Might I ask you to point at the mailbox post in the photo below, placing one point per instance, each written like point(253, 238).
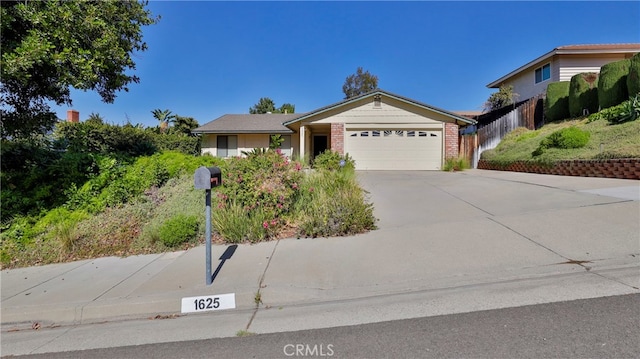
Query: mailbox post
point(206, 178)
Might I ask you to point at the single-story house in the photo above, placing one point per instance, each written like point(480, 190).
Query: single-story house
point(379, 130)
point(560, 64)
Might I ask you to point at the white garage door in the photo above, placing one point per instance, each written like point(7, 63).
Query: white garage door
point(395, 149)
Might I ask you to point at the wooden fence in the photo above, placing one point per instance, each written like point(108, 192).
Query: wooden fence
point(490, 131)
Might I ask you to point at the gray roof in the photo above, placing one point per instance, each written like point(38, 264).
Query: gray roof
point(375, 92)
point(246, 123)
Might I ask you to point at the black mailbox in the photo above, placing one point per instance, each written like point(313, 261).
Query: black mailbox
point(208, 177)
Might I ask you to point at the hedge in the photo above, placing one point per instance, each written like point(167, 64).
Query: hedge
point(612, 84)
point(556, 104)
point(583, 93)
point(633, 78)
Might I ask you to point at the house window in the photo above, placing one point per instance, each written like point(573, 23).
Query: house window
point(543, 73)
point(227, 146)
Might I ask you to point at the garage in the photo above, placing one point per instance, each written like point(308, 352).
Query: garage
point(395, 149)
point(381, 131)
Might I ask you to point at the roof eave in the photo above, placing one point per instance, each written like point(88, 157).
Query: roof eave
point(390, 95)
point(558, 51)
point(500, 81)
point(244, 131)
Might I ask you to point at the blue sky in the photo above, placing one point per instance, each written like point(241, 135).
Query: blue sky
point(209, 58)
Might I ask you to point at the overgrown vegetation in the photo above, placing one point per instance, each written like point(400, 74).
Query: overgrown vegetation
point(456, 164)
point(331, 203)
point(69, 200)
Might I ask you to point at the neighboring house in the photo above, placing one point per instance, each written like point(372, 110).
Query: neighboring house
point(560, 64)
point(230, 135)
point(379, 130)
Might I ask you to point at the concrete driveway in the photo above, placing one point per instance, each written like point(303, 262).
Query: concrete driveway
point(446, 243)
point(443, 230)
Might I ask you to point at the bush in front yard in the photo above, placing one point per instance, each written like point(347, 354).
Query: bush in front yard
point(333, 161)
point(612, 84)
point(633, 78)
point(178, 230)
point(256, 195)
point(583, 93)
point(331, 203)
point(569, 137)
point(556, 103)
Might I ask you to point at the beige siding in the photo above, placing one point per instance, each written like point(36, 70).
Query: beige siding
point(246, 142)
point(562, 69)
point(390, 112)
point(571, 66)
point(390, 136)
point(209, 144)
point(525, 85)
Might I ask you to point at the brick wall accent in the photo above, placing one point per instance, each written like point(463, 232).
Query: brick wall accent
point(337, 137)
point(450, 140)
point(612, 168)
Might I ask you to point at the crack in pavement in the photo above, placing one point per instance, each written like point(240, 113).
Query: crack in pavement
point(264, 273)
point(571, 261)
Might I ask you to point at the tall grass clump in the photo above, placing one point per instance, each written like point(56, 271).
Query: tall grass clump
point(455, 164)
point(331, 203)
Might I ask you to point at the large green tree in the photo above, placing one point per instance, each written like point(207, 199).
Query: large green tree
point(184, 125)
point(504, 97)
point(359, 83)
point(50, 46)
point(266, 105)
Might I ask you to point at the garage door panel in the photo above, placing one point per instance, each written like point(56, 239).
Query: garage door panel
point(395, 149)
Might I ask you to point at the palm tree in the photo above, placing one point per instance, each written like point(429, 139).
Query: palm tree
point(164, 117)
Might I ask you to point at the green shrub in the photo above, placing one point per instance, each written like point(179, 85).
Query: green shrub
point(268, 180)
point(256, 195)
point(583, 93)
point(332, 161)
point(105, 139)
point(178, 142)
point(331, 203)
point(556, 103)
point(455, 164)
point(569, 137)
point(178, 230)
point(612, 83)
point(633, 78)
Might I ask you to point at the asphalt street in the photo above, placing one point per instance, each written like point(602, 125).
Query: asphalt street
point(605, 327)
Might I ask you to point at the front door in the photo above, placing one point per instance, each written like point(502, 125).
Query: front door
point(320, 144)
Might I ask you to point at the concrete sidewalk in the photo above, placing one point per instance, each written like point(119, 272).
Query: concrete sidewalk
point(447, 243)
